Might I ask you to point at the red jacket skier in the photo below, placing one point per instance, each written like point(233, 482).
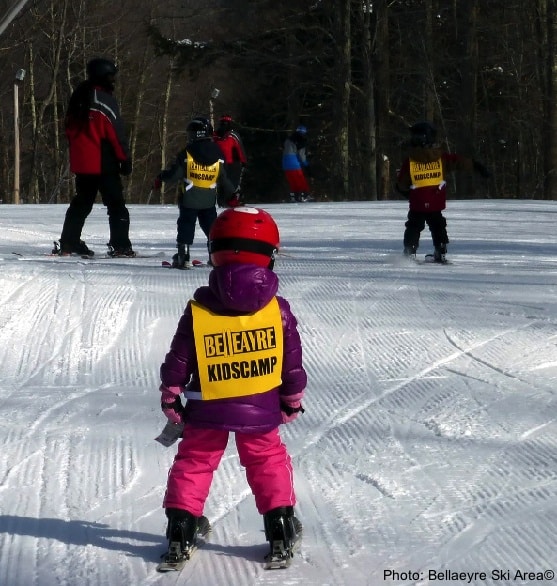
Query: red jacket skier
point(233, 154)
point(98, 156)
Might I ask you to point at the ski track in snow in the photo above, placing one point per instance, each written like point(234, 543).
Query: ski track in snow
point(429, 440)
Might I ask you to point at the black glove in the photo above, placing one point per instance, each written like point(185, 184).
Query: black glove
point(126, 167)
point(481, 170)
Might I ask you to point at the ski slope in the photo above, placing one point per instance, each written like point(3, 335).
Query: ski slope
point(428, 450)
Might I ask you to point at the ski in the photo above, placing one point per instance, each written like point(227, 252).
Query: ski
point(168, 265)
point(280, 557)
point(175, 559)
point(75, 256)
point(194, 263)
point(427, 259)
point(430, 258)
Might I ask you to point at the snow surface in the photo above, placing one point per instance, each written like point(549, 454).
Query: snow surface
point(429, 442)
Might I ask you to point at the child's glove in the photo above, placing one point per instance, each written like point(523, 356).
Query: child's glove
point(171, 404)
point(290, 409)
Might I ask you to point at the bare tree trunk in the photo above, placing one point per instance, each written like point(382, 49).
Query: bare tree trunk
point(370, 148)
point(382, 92)
point(58, 20)
point(33, 107)
point(430, 101)
point(550, 163)
point(345, 78)
point(465, 100)
point(137, 117)
point(164, 121)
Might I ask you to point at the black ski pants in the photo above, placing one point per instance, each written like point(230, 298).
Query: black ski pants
point(87, 187)
point(187, 219)
point(416, 222)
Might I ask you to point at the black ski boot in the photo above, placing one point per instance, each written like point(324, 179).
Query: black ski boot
point(120, 252)
point(439, 254)
point(283, 531)
point(181, 532)
point(410, 251)
point(67, 249)
point(181, 260)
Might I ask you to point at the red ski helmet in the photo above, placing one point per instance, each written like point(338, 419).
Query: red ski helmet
point(244, 235)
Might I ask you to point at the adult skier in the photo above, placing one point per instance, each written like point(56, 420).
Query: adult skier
point(98, 156)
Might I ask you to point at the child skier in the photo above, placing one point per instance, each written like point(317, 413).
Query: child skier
point(237, 358)
point(421, 179)
point(200, 169)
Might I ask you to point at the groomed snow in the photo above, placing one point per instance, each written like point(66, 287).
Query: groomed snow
point(428, 450)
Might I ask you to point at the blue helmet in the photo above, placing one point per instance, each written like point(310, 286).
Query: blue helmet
point(301, 129)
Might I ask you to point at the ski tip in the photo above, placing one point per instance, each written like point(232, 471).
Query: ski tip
point(169, 265)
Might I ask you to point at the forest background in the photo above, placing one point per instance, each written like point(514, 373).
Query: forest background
point(356, 73)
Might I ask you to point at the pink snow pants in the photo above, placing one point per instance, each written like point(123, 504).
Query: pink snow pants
point(264, 456)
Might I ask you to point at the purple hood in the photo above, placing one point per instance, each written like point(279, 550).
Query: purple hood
point(236, 289)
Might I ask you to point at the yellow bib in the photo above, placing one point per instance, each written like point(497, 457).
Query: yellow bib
point(426, 174)
point(198, 175)
point(239, 355)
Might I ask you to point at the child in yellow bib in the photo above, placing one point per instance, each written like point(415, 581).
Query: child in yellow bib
point(199, 171)
point(237, 359)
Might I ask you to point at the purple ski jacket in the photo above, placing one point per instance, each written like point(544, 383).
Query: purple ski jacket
point(235, 289)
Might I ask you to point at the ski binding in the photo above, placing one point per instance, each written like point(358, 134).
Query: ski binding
point(175, 559)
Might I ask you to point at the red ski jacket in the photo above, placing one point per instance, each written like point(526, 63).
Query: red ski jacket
point(100, 146)
point(423, 175)
point(231, 147)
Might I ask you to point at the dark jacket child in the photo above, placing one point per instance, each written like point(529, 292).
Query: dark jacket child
point(98, 156)
point(237, 359)
point(422, 179)
point(200, 170)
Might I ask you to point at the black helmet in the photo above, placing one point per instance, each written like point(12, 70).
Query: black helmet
point(199, 128)
point(99, 69)
point(423, 134)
